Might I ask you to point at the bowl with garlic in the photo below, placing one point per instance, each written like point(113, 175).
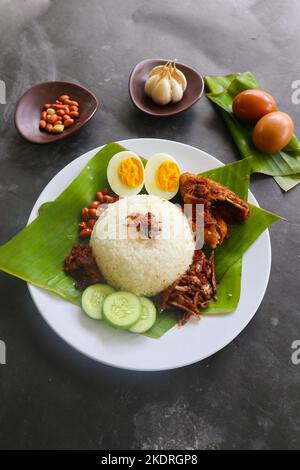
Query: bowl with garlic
point(164, 88)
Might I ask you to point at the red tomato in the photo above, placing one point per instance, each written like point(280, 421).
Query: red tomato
point(273, 132)
point(251, 105)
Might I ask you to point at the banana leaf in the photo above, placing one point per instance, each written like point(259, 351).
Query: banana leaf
point(164, 323)
point(287, 182)
point(285, 163)
point(228, 290)
point(36, 254)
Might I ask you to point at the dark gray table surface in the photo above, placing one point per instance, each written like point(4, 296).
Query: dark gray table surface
point(246, 396)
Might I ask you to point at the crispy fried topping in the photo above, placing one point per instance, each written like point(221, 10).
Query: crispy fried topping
point(193, 291)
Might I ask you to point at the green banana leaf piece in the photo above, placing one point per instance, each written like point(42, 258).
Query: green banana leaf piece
point(241, 238)
point(284, 163)
point(37, 253)
point(164, 323)
point(287, 182)
point(229, 291)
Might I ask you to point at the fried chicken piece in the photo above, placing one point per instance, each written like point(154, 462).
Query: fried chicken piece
point(200, 190)
point(221, 206)
point(215, 229)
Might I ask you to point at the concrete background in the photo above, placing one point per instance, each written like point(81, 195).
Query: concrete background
point(244, 397)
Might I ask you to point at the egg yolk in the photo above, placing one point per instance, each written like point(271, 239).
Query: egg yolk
point(167, 176)
point(131, 172)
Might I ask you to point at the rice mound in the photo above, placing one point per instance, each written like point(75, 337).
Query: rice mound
point(134, 262)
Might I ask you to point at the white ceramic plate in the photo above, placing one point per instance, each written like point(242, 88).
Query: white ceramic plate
point(181, 345)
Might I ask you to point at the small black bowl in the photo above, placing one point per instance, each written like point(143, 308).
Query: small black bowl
point(138, 77)
point(29, 106)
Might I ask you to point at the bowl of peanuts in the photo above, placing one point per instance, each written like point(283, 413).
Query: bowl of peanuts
point(52, 111)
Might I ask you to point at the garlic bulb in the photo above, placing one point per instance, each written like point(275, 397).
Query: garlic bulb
point(165, 84)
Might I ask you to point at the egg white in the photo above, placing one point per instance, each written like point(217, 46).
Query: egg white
point(152, 166)
point(113, 174)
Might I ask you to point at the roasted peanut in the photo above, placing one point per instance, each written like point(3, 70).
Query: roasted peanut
point(46, 106)
point(94, 205)
point(85, 233)
point(60, 112)
point(53, 118)
point(94, 213)
point(91, 223)
point(71, 103)
point(68, 122)
point(43, 124)
point(85, 213)
point(60, 106)
point(73, 108)
point(82, 225)
point(64, 98)
point(58, 128)
point(44, 115)
point(74, 114)
point(49, 127)
point(50, 111)
point(66, 116)
point(108, 198)
point(99, 196)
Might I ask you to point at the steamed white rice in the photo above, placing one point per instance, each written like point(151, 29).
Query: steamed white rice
point(132, 262)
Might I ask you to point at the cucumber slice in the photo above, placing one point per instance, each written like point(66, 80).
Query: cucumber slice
point(122, 309)
point(92, 299)
point(147, 318)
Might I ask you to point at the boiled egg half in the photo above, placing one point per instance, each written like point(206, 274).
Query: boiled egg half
point(125, 173)
point(162, 174)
